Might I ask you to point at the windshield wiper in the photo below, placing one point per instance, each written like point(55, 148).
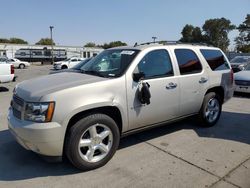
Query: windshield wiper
point(93, 72)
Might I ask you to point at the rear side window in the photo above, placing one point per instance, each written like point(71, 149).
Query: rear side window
point(188, 61)
point(215, 59)
point(156, 64)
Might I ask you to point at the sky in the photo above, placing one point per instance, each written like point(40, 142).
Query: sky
point(77, 22)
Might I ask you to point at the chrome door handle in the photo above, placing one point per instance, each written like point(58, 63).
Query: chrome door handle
point(171, 85)
point(203, 80)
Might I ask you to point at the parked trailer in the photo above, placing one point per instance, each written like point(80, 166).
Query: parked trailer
point(40, 55)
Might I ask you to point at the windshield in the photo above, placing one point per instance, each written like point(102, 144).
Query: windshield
point(79, 65)
point(240, 60)
point(110, 63)
point(2, 59)
point(248, 67)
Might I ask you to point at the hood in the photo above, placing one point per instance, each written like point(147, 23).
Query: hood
point(242, 75)
point(32, 90)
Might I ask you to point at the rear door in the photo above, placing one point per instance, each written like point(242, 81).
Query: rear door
point(193, 79)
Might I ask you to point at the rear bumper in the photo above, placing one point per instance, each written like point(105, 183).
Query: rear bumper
point(7, 78)
point(42, 138)
point(229, 92)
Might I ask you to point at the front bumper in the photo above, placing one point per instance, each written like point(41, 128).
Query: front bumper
point(242, 89)
point(42, 138)
point(57, 66)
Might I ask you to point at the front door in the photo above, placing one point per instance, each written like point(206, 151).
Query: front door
point(164, 88)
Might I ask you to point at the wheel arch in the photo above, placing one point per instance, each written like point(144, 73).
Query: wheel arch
point(64, 66)
point(21, 65)
point(111, 111)
point(218, 90)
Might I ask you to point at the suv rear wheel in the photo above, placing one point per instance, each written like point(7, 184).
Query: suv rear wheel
point(92, 141)
point(211, 109)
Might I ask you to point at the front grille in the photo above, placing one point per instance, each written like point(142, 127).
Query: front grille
point(18, 100)
point(17, 113)
point(17, 105)
point(242, 82)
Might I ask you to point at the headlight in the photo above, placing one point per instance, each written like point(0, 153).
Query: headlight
point(39, 112)
point(242, 67)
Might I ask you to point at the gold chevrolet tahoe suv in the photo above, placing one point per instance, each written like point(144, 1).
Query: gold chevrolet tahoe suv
point(82, 115)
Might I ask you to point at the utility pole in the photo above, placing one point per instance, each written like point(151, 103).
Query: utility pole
point(51, 38)
point(154, 38)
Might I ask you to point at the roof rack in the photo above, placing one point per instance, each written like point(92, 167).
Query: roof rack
point(165, 42)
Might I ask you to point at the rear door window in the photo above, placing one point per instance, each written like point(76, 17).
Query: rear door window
point(188, 61)
point(215, 59)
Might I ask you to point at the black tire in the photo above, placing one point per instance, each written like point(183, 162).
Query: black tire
point(204, 120)
point(21, 66)
point(75, 134)
point(64, 67)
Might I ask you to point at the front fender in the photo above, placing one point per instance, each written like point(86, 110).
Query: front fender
point(95, 106)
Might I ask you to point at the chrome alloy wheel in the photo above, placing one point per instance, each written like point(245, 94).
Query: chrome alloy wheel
point(212, 109)
point(95, 143)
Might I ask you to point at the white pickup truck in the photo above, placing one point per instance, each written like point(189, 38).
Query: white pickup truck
point(6, 73)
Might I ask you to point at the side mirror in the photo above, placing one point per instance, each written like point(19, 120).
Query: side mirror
point(138, 76)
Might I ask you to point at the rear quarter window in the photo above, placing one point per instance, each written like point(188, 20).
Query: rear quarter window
point(215, 59)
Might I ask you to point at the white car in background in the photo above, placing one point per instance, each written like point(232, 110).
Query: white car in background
point(242, 80)
point(6, 73)
point(19, 64)
point(68, 63)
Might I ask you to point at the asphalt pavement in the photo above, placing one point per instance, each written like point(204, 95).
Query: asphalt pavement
point(177, 155)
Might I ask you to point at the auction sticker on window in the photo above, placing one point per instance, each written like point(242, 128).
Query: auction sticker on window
point(127, 52)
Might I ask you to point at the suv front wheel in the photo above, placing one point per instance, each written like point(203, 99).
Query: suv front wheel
point(211, 109)
point(92, 141)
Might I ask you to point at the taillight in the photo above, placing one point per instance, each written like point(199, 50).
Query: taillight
point(12, 71)
point(232, 76)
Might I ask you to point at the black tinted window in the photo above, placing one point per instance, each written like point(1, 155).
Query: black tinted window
point(215, 59)
point(188, 61)
point(156, 64)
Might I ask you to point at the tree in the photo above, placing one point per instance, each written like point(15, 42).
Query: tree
point(243, 40)
point(17, 41)
point(197, 35)
point(187, 33)
point(2, 40)
point(112, 44)
point(216, 32)
point(13, 41)
point(90, 44)
point(45, 41)
point(191, 34)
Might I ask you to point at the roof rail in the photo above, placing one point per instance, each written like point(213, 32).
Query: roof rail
point(165, 42)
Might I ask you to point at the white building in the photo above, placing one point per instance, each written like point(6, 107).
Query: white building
point(9, 50)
